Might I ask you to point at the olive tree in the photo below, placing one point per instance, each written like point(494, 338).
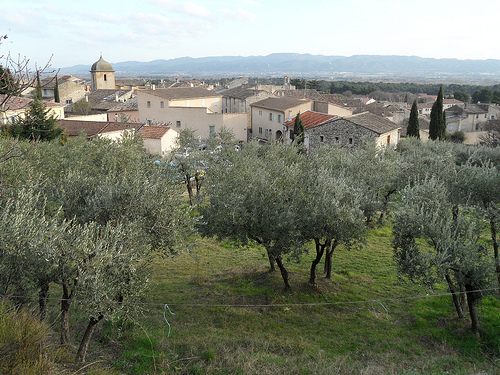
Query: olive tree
point(434, 243)
point(251, 196)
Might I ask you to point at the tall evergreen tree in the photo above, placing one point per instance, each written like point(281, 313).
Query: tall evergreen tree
point(413, 124)
point(57, 98)
point(298, 130)
point(8, 84)
point(38, 124)
point(38, 90)
point(437, 126)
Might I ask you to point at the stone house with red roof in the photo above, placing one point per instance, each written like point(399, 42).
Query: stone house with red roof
point(349, 132)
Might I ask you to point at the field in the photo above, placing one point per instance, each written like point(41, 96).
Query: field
point(232, 316)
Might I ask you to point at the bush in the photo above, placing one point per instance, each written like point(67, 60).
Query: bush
point(23, 343)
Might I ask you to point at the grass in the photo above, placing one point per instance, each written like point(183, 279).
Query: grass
point(232, 316)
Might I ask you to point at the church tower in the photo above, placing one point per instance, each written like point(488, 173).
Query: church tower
point(103, 75)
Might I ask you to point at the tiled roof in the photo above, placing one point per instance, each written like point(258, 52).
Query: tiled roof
point(302, 94)
point(93, 128)
point(311, 118)
point(241, 92)
point(16, 103)
point(373, 122)
point(105, 99)
point(129, 105)
point(153, 131)
point(280, 104)
point(183, 93)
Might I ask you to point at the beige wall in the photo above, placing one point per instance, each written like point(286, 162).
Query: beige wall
point(392, 137)
point(132, 116)
point(199, 119)
point(163, 146)
point(103, 80)
point(270, 126)
point(97, 117)
point(213, 104)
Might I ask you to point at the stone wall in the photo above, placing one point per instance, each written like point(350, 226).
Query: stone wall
point(337, 132)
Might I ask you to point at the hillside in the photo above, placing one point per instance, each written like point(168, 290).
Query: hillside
point(304, 64)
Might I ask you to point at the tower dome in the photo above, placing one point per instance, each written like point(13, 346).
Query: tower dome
point(101, 65)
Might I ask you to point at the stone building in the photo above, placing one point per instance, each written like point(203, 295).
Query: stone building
point(102, 75)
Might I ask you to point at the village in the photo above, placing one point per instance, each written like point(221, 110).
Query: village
point(107, 106)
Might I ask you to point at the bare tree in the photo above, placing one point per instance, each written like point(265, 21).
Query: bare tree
point(16, 76)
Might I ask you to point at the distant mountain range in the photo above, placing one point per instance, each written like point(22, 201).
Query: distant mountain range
point(303, 65)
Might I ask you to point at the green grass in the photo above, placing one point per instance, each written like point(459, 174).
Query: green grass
point(232, 316)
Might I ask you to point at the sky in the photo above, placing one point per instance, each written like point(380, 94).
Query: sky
point(71, 32)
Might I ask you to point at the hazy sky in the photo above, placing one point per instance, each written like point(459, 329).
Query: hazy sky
point(76, 32)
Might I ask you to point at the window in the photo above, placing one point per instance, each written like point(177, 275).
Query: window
point(148, 104)
point(463, 127)
point(69, 101)
point(162, 104)
point(267, 132)
point(451, 128)
point(336, 139)
point(321, 138)
point(260, 130)
point(388, 139)
point(105, 78)
point(45, 92)
point(271, 117)
point(178, 124)
point(350, 141)
point(260, 113)
point(279, 119)
point(216, 101)
point(149, 122)
point(212, 131)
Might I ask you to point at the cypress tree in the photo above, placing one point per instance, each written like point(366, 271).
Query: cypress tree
point(298, 131)
point(38, 90)
point(413, 124)
point(437, 125)
point(57, 99)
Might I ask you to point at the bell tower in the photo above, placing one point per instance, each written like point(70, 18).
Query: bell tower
point(103, 75)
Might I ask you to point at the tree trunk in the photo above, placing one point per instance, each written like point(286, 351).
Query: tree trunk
point(320, 249)
point(42, 299)
point(495, 247)
point(328, 260)
point(84, 345)
point(455, 297)
point(65, 305)
point(471, 301)
point(187, 178)
point(283, 270)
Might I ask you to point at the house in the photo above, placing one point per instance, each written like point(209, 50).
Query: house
point(269, 116)
point(470, 118)
point(71, 89)
point(159, 140)
point(425, 108)
point(92, 129)
point(195, 108)
point(15, 106)
point(348, 132)
point(322, 102)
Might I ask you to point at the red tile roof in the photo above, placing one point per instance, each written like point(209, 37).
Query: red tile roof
point(311, 118)
point(153, 131)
